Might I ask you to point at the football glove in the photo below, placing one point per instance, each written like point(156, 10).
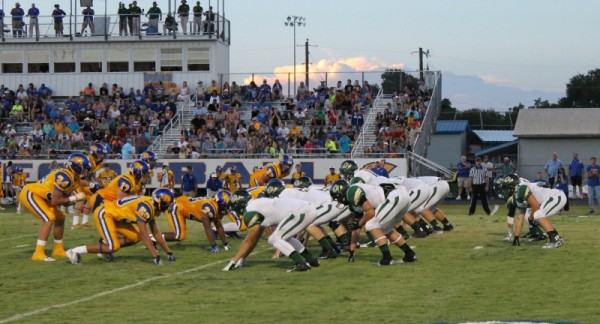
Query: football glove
point(230, 266)
point(516, 241)
point(532, 221)
point(95, 187)
point(352, 225)
point(214, 249)
point(157, 260)
point(351, 256)
point(226, 246)
point(171, 257)
point(80, 196)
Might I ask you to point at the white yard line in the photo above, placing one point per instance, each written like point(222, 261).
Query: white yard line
point(17, 237)
point(21, 316)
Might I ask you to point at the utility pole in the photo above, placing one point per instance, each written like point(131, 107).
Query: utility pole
point(306, 58)
point(421, 53)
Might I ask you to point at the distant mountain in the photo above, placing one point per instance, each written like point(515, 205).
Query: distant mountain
point(473, 92)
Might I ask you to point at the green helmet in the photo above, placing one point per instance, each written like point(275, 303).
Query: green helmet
point(347, 169)
point(239, 200)
point(302, 182)
point(338, 191)
point(499, 184)
point(274, 188)
point(508, 184)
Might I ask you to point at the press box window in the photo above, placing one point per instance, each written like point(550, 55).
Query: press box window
point(38, 62)
point(12, 61)
point(118, 60)
point(198, 59)
point(144, 60)
point(64, 61)
point(171, 59)
point(91, 61)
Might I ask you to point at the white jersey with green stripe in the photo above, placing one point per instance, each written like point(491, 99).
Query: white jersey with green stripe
point(524, 190)
point(314, 196)
point(274, 210)
point(374, 194)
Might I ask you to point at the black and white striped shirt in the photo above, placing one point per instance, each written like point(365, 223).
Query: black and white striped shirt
point(478, 174)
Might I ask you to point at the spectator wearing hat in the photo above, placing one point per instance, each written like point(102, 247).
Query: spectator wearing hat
point(197, 11)
point(17, 14)
point(154, 14)
point(480, 185)
point(88, 20)
point(332, 176)
point(189, 184)
point(213, 185)
point(183, 11)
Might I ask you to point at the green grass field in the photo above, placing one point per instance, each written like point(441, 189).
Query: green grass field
point(451, 282)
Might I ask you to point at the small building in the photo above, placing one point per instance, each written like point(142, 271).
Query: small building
point(563, 130)
point(496, 144)
point(449, 142)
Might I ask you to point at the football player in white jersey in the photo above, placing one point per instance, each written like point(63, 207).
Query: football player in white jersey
point(289, 215)
point(432, 213)
point(505, 186)
point(543, 202)
point(327, 211)
point(378, 209)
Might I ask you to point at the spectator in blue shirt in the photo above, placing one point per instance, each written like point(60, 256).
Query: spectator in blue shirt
point(345, 143)
point(189, 183)
point(213, 185)
point(357, 119)
point(463, 179)
point(576, 168)
point(73, 125)
point(379, 169)
point(593, 183)
point(33, 14)
point(552, 167)
point(127, 150)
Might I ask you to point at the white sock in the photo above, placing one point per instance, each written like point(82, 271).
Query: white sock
point(85, 219)
point(70, 209)
point(40, 242)
point(57, 241)
point(75, 220)
point(80, 249)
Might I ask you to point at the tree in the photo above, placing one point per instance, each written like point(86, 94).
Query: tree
point(396, 80)
point(583, 91)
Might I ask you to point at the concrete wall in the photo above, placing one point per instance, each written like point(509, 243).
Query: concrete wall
point(534, 152)
point(447, 149)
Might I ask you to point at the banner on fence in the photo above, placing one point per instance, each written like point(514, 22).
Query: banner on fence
point(316, 169)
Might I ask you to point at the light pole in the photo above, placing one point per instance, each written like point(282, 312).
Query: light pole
point(293, 21)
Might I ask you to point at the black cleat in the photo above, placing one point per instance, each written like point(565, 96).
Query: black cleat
point(314, 263)
point(448, 228)
point(420, 234)
point(410, 258)
point(299, 267)
point(331, 254)
point(384, 262)
point(232, 234)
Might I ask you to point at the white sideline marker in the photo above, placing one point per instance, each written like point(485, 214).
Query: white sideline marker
point(21, 316)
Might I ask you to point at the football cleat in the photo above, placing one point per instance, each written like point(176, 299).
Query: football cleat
point(368, 244)
point(299, 267)
point(314, 263)
point(508, 237)
point(108, 257)
point(448, 228)
point(552, 245)
point(410, 258)
point(86, 225)
point(383, 262)
point(437, 230)
point(331, 254)
point(41, 257)
point(537, 238)
point(73, 257)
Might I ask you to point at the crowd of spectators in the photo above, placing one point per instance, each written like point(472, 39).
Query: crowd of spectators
point(319, 121)
point(107, 115)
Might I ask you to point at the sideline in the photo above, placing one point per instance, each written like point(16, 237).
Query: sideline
point(21, 316)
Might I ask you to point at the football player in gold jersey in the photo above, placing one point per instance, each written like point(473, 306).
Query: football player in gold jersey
point(123, 185)
point(278, 170)
point(44, 197)
point(203, 210)
point(123, 223)
point(19, 181)
point(106, 175)
point(88, 186)
point(233, 181)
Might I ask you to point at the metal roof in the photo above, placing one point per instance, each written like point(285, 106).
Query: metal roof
point(451, 126)
point(496, 148)
point(561, 122)
point(495, 135)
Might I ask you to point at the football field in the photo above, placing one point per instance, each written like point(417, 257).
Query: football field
point(468, 275)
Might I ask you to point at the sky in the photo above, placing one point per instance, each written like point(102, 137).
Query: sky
point(531, 46)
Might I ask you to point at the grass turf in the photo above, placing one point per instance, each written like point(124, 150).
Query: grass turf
point(452, 281)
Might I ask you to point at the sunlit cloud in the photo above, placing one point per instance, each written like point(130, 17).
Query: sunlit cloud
point(496, 80)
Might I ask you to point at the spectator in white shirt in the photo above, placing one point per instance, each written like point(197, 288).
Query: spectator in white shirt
point(184, 93)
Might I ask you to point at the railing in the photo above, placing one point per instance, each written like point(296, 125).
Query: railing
point(298, 153)
point(104, 26)
point(438, 169)
point(419, 147)
point(358, 148)
point(174, 123)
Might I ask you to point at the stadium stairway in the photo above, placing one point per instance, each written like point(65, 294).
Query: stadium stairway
point(172, 131)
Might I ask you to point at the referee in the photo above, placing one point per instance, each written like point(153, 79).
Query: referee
point(480, 185)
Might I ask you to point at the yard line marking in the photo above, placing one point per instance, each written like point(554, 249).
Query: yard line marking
point(21, 316)
point(17, 237)
point(21, 246)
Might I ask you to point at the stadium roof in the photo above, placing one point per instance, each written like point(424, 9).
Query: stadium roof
point(561, 122)
point(496, 148)
point(488, 136)
point(451, 126)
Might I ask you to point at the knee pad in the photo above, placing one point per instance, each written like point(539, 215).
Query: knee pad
point(333, 225)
